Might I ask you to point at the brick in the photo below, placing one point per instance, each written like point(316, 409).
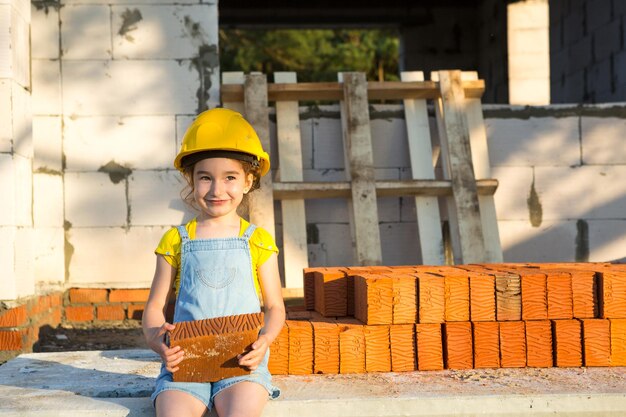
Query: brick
point(41, 304)
point(135, 311)
point(403, 347)
point(539, 344)
point(584, 294)
point(326, 347)
point(13, 317)
point(431, 304)
point(110, 313)
point(482, 297)
point(508, 296)
point(308, 282)
point(512, 344)
point(457, 346)
point(351, 348)
point(211, 346)
point(486, 344)
point(373, 303)
point(612, 294)
point(11, 340)
point(456, 297)
point(618, 342)
point(279, 353)
point(534, 296)
point(404, 298)
point(79, 313)
point(560, 301)
point(330, 293)
point(126, 296)
point(429, 346)
point(87, 295)
point(308, 315)
point(567, 343)
point(377, 349)
point(300, 347)
point(596, 342)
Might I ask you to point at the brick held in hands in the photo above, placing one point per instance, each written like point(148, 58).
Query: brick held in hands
point(300, 347)
point(331, 293)
point(211, 346)
point(560, 302)
point(373, 299)
point(325, 347)
point(486, 344)
point(403, 348)
point(539, 344)
point(482, 297)
point(431, 304)
point(404, 299)
point(534, 295)
point(618, 342)
point(567, 343)
point(512, 344)
point(351, 348)
point(429, 346)
point(596, 342)
point(457, 345)
point(377, 349)
point(279, 353)
point(613, 295)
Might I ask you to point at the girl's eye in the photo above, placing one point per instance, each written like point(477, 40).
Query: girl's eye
point(204, 178)
point(231, 178)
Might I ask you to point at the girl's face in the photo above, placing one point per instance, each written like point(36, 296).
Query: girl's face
point(219, 186)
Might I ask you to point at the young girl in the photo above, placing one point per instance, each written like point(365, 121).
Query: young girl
point(219, 265)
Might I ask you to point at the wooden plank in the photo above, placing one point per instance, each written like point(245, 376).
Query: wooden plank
point(387, 90)
point(358, 150)
point(234, 79)
point(295, 253)
point(461, 170)
point(334, 189)
point(482, 169)
point(420, 152)
point(256, 112)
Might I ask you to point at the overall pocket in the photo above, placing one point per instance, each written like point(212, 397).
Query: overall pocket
point(219, 277)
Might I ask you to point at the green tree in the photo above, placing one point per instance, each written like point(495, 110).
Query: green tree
point(315, 54)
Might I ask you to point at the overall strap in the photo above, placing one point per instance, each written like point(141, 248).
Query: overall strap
point(183, 233)
point(249, 230)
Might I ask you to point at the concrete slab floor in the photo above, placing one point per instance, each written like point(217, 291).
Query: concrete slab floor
point(118, 383)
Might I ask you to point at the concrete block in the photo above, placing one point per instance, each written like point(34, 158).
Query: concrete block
point(6, 117)
point(529, 91)
point(182, 123)
point(333, 210)
point(513, 192)
point(143, 87)
point(527, 15)
point(133, 142)
point(573, 27)
point(93, 199)
point(553, 241)
point(580, 55)
point(47, 144)
point(389, 138)
point(22, 121)
point(48, 201)
point(8, 283)
point(24, 255)
point(328, 143)
point(607, 240)
point(23, 177)
point(534, 141)
point(165, 32)
point(603, 140)
point(529, 41)
point(49, 258)
point(529, 66)
point(6, 64)
point(337, 244)
point(598, 15)
point(599, 79)
point(46, 96)
point(587, 192)
point(388, 209)
point(574, 86)
point(155, 198)
point(81, 22)
point(400, 244)
point(92, 250)
point(306, 140)
point(16, 58)
point(7, 188)
point(607, 39)
point(44, 32)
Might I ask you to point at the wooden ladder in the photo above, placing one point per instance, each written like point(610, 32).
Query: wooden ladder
point(466, 184)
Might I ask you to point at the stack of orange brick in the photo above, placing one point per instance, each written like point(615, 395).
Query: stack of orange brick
point(381, 319)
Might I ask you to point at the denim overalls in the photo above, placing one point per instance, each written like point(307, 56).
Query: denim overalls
point(215, 280)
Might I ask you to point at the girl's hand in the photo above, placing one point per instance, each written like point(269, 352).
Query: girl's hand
point(252, 359)
point(171, 357)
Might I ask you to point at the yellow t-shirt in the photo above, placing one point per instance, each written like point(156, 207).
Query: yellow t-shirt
point(262, 246)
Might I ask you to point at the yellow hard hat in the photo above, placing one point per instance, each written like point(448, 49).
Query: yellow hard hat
point(221, 130)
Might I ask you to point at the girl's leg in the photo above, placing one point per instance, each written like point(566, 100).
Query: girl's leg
point(172, 403)
point(244, 399)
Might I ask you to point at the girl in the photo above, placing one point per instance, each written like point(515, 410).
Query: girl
point(219, 265)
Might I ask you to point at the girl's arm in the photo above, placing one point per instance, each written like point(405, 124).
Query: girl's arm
point(274, 313)
point(153, 322)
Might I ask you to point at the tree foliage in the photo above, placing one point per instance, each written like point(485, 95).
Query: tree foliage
point(315, 54)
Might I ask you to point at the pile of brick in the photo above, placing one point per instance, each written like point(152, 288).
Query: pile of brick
point(380, 319)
